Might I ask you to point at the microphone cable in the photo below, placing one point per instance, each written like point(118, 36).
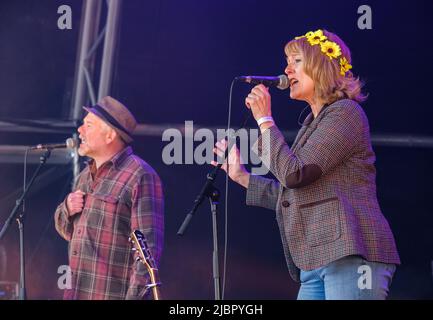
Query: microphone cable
point(229, 146)
point(226, 194)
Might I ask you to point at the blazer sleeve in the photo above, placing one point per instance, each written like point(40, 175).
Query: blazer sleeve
point(262, 192)
point(339, 131)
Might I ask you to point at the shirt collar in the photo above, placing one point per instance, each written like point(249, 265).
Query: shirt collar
point(116, 160)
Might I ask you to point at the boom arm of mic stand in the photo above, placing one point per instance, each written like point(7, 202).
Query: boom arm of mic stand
point(19, 202)
point(208, 186)
point(205, 191)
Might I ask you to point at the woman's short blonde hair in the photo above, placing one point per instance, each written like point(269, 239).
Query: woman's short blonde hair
point(329, 84)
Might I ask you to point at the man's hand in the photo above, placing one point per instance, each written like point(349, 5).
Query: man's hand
point(75, 202)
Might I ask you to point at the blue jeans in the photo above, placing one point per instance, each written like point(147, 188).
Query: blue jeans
point(349, 278)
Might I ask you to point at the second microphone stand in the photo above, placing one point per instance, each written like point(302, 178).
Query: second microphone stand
point(20, 221)
point(212, 193)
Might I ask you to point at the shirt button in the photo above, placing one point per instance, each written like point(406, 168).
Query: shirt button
point(79, 231)
point(285, 203)
point(74, 252)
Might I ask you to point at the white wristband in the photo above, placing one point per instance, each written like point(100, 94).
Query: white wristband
point(265, 119)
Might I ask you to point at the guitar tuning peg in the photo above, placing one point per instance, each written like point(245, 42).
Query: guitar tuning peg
point(134, 249)
point(137, 258)
point(129, 239)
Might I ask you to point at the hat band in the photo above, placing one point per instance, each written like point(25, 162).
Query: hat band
point(110, 118)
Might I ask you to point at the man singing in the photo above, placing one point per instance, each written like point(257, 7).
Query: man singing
point(115, 194)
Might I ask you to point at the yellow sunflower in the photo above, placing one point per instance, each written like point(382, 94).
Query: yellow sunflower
point(331, 49)
point(344, 66)
point(315, 37)
point(308, 34)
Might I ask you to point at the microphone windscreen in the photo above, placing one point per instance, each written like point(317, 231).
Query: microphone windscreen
point(284, 82)
point(71, 143)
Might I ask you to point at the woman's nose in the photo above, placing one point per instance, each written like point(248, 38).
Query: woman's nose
point(289, 69)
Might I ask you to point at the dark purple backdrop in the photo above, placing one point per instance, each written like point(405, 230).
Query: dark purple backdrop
point(176, 60)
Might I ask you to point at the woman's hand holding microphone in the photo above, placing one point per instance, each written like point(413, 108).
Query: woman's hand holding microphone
point(259, 101)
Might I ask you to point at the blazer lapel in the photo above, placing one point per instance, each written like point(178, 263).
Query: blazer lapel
point(301, 133)
point(310, 124)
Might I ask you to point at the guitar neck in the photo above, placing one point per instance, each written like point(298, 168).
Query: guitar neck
point(145, 257)
point(154, 279)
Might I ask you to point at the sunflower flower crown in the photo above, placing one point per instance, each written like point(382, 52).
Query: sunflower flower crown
point(329, 48)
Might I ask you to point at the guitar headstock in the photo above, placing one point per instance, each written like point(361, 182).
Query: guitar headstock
point(142, 250)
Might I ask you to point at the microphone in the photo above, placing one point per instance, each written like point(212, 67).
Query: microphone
point(281, 82)
point(70, 143)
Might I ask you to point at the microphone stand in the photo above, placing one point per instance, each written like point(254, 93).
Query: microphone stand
point(20, 221)
point(210, 191)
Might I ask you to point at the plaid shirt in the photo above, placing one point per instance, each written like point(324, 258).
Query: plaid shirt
point(124, 194)
point(325, 193)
